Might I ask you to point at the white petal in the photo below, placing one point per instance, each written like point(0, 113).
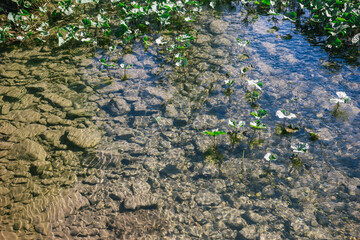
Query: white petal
point(335, 100)
point(280, 114)
point(267, 156)
point(291, 115)
point(341, 94)
point(241, 123)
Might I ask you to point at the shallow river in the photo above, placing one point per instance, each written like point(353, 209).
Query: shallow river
point(88, 154)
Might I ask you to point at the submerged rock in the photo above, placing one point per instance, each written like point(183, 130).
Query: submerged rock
point(218, 26)
point(118, 107)
point(83, 138)
point(57, 100)
point(207, 198)
point(27, 116)
point(28, 150)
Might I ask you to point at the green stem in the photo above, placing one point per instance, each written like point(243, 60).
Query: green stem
point(242, 162)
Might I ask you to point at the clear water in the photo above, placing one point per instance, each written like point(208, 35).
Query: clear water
point(155, 139)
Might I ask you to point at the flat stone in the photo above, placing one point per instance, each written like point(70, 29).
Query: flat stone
point(28, 150)
point(15, 94)
point(77, 113)
point(5, 109)
point(53, 137)
point(27, 116)
point(118, 107)
point(139, 201)
point(4, 201)
point(45, 107)
point(38, 87)
point(4, 235)
point(84, 138)
point(57, 100)
point(218, 26)
point(201, 38)
point(4, 89)
point(4, 190)
point(6, 128)
point(91, 180)
point(54, 120)
point(30, 131)
point(207, 198)
point(43, 228)
point(6, 145)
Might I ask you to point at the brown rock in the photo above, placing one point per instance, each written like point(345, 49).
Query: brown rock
point(84, 138)
point(28, 150)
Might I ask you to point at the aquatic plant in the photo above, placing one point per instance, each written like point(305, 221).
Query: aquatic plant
point(228, 83)
point(257, 125)
point(259, 114)
point(342, 98)
point(282, 114)
point(214, 133)
point(242, 43)
point(298, 148)
point(255, 91)
point(213, 151)
point(124, 67)
point(269, 157)
point(234, 135)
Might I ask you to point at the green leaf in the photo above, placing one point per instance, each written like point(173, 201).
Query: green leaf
point(341, 19)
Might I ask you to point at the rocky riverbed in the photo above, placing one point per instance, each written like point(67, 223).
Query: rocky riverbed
point(85, 155)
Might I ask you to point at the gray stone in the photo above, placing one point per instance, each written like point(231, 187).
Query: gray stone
point(139, 201)
point(140, 187)
point(118, 107)
point(249, 232)
point(207, 198)
point(201, 38)
point(83, 138)
point(221, 41)
point(57, 100)
point(218, 26)
point(28, 150)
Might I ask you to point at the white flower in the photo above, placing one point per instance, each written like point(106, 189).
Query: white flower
point(342, 98)
point(122, 66)
point(212, 4)
point(254, 83)
point(86, 39)
point(159, 41)
point(20, 38)
point(300, 147)
point(232, 123)
point(187, 19)
point(269, 156)
point(282, 114)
